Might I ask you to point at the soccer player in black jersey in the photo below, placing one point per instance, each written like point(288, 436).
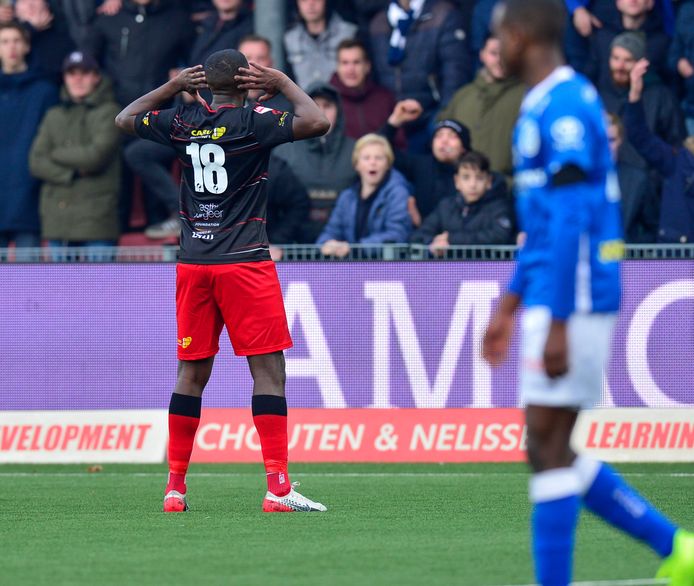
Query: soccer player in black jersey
point(225, 276)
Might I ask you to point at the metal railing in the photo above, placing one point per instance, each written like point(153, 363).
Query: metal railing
point(308, 252)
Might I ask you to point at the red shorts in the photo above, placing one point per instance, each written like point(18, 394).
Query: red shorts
point(244, 297)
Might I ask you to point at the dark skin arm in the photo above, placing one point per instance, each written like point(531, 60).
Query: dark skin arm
point(189, 80)
point(498, 337)
point(309, 120)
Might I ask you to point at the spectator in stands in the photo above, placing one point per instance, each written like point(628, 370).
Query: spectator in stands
point(258, 50)
point(663, 115)
point(25, 94)
point(430, 174)
point(50, 35)
point(140, 45)
point(481, 213)
point(635, 16)
point(223, 29)
point(324, 164)
point(489, 108)
point(311, 44)
point(287, 206)
point(639, 196)
point(681, 59)
point(374, 210)
point(419, 52)
point(676, 165)
point(366, 105)
point(480, 28)
point(75, 154)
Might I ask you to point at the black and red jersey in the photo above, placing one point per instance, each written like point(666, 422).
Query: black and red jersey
point(225, 155)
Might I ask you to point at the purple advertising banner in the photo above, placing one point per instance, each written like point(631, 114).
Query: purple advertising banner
point(387, 334)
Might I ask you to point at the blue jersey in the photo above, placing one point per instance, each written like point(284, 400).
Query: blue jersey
point(570, 259)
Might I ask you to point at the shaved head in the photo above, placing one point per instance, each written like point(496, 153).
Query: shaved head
point(220, 69)
point(543, 21)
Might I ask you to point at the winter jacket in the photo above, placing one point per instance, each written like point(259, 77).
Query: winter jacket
point(215, 35)
point(287, 203)
point(490, 111)
point(436, 60)
point(76, 155)
point(676, 165)
point(431, 180)
point(489, 220)
point(324, 166)
point(24, 99)
point(366, 109)
point(657, 44)
point(640, 204)
point(683, 47)
point(312, 59)
point(138, 46)
point(663, 116)
point(388, 219)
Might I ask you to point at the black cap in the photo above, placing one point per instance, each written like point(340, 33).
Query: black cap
point(80, 60)
point(459, 128)
point(324, 90)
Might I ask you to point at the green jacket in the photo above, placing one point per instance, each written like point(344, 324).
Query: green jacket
point(490, 111)
point(76, 154)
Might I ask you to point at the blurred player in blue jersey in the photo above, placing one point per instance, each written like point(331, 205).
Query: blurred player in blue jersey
point(567, 277)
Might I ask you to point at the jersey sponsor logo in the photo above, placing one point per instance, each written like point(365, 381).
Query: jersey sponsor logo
point(530, 179)
point(263, 110)
point(611, 251)
point(214, 133)
point(567, 133)
point(203, 235)
point(208, 211)
point(529, 139)
point(145, 120)
point(184, 342)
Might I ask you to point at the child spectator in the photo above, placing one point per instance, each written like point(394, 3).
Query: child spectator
point(374, 210)
point(481, 212)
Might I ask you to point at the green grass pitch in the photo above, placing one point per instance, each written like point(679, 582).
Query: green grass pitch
point(386, 524)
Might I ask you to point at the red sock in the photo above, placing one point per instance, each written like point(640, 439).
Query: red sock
point(270, 419)
point(184, 418)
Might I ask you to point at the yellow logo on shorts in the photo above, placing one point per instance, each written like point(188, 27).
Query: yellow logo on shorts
point(185, 342)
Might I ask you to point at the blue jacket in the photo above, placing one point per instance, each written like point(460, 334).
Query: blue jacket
point(436, 62)
point(676, 165)
point(24, 99)
point(388, 219)
point(683, 47)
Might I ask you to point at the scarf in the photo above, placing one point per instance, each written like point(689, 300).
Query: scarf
point(401, 21)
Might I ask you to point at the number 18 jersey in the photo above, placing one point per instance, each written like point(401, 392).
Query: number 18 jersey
point(224, 154)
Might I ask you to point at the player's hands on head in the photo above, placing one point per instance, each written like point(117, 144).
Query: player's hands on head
point(191, 79)
point(556, 356)
point(405, 111)
point(258, 77)
point(636, 79)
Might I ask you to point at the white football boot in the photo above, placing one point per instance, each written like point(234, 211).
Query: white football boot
point(292, 502)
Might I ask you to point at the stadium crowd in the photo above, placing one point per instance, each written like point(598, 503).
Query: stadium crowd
point(422, 117)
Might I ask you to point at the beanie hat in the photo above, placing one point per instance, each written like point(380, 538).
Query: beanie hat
point(460, 129)
point(633, 42)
